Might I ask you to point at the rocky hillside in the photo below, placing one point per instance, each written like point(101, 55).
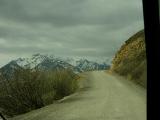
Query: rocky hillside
point(130, 60)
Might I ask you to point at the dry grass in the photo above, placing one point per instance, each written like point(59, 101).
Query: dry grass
point(28, 89)
point(130, 60)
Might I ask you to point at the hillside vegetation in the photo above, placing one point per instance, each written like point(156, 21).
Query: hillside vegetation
point(27, 90)
point(130, 60)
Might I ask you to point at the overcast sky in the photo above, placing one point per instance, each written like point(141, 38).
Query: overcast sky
point(85, 28)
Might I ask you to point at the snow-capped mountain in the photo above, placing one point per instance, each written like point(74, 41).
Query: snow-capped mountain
point(51, 62)
point(33, 61)
point(86, 65)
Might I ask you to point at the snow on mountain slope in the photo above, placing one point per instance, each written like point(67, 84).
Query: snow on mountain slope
point(86, 65)
point(33, 61)
point(51, 62)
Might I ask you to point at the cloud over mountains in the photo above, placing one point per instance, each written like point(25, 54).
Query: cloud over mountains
point(90, 28)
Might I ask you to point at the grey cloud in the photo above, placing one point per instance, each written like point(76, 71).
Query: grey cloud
point(71, 12)
point(91, 28)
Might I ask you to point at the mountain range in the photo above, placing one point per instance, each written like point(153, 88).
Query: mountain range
point(51, 62)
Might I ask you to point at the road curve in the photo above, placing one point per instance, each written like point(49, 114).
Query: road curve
point(105, 97)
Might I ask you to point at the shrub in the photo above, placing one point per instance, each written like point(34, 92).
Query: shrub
point(22, 92)
point(31, 89)
point(130, 60)
point(64, 83)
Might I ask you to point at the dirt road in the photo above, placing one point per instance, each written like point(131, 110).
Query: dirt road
point(105, 97)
